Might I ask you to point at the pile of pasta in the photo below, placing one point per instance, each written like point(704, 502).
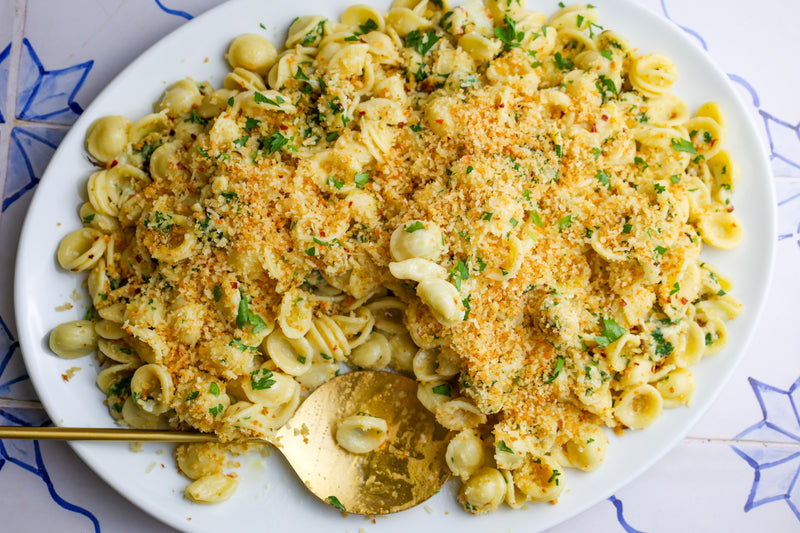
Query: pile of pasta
point(509, 206)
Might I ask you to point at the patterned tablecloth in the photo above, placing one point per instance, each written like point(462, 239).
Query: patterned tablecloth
point(739, 468)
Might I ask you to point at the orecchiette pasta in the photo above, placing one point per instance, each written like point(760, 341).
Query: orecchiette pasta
point(211, 488)
point(484, 491)
point(465, 453)
point(107, 136)
point(73, 339)
point(361, 433)
point(252, 52)
point(509, 207)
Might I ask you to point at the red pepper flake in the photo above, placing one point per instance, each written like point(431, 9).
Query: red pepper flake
point(234, 285)
point(594, 128)
point(604, 117)
point(114, 163)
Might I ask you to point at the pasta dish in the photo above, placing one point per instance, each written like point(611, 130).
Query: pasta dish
point(507, 205)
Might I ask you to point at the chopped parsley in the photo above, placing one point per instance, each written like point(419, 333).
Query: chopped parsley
point(368, 26)
point(562, 63)
point(91, 313)
point(602, 177)
point(336, 183)
point(663, 347)
point(503, 447)
point(443, 389)
point(334, 501)
point(274, 142)
point(250, 124)
point(161, 222)
point(237, 343)
point(566, 222)
point(261, 379)
point(244, 316)
point(611, 332)
point(606, 87)
point(422, 42)
point(300, 75)
point(458, 273)
point(261, 99)
point(683, 145)
point(508, 34)
point(361, 179)
point(416, 225)
point(556, 370)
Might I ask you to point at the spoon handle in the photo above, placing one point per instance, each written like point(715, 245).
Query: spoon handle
point(102, 434)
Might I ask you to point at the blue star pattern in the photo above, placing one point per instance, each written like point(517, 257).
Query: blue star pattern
point(620, 518)
point(4, 61)
point(788, 199)
point(177, 12)
point(784, 142)
point(48, 96)
point(14, 380)
point(30, 151)
point(27, 455)
point(777, 468)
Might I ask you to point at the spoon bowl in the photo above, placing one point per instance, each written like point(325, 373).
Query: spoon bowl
point(407, 469)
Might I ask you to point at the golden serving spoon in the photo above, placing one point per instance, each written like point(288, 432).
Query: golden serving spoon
point(405, 471)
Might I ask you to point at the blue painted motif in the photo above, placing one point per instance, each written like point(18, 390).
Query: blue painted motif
point(777, 468)
point(177, 12)
point(27, 455)
point(684, 28)
point(784, 142)
point(4, 63)
point(9, 375)
point(48, 96)
point(620, 518)
point(30, 151)
point(788, 195)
